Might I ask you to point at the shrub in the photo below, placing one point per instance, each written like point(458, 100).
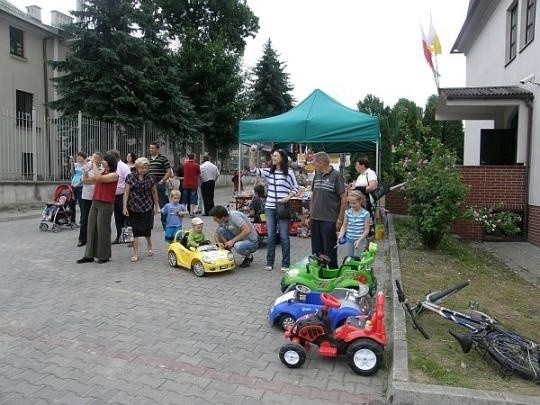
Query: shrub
point(434, 189)
point(495, 219)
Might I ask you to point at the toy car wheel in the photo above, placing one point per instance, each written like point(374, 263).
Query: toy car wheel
point(43, 227)
point(285, 321)
point(292, 355)
point(303, 289)
point(364, 356)
point(173, 261)
point(56, 228)
point(198, 269)
point(293, 287)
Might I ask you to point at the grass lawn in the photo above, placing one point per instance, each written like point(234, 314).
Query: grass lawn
point(502, 294)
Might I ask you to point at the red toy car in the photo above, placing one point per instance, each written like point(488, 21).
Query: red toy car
point(262, 230)
point(361, 338)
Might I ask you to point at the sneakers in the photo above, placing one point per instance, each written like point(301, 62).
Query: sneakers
point(268, 268)
point(284, 269)
point(247, 261)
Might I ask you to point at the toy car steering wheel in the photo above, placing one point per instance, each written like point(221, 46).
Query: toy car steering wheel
point(321, 259)
point(330, 301)
point(302, 289)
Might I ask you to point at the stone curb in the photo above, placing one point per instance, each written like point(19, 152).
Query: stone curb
point(400, 389)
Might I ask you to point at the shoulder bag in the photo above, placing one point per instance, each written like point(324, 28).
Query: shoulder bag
point(283, 210)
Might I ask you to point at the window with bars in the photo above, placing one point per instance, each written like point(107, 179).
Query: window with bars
point(23, 107)
point(512, 32)
point(530, 17)
point(16, 42)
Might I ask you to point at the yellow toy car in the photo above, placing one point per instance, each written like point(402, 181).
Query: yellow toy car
point(206, 258)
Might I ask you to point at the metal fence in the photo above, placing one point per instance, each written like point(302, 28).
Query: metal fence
point(34, 147)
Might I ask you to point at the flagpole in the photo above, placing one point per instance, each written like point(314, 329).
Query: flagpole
point(436, 71)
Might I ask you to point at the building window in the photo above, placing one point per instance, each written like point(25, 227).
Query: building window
point(16, 42)
point(512, 32)
point(529, 21)
point(23, 107)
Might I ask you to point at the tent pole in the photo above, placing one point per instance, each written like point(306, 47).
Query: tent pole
point(377, 160)
point(239, 179)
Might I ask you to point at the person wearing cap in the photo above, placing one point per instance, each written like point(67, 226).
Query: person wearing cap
point(235, 230)
point(196, 235)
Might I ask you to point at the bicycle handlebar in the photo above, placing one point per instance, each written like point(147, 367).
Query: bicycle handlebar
point(437, 296)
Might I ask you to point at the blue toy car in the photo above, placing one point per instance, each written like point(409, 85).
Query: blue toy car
point(301, 301)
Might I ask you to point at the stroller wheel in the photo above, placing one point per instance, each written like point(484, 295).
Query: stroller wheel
point(43, 227)
point(56, 228)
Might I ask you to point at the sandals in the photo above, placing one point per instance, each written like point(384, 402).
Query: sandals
point(134, 259)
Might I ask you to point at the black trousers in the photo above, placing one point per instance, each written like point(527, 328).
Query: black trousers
point(85, 210)
point(207, 191)
point(324, 240)
point(119, 218)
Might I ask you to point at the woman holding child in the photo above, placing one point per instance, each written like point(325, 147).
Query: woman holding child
point(98, 237)
point(140, 205)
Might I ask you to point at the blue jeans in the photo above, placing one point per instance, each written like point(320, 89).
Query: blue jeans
point(242, 247)
point(272, 224)
point(351, 251)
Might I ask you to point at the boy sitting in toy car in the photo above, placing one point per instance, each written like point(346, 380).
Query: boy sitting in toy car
point(196, 236)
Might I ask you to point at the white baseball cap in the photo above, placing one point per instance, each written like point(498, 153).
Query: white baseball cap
point(197, 221)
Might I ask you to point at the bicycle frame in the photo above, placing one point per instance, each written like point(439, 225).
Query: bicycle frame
point(474, 324)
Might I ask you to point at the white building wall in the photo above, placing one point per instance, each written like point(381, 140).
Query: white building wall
point(486, 65)
point(25, 74)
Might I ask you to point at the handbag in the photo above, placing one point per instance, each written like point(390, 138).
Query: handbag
point(380, 191)
point(126, 235)
point(283, 210)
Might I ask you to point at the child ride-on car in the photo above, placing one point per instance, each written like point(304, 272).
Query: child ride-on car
point(206, 258)
point(361, 340)
point(314, 273)
point(302, 301)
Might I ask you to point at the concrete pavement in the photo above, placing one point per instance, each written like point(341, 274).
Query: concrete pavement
point(143, 333)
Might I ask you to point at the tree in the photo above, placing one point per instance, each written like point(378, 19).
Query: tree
point(211, 37)
point(374, 106)
point(271, 88)
point(449, 132)
point(118, 68)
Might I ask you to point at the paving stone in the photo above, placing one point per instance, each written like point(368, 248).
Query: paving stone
point(145, 332)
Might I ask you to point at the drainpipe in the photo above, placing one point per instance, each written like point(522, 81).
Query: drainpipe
point(46, 99)
point(529, 105)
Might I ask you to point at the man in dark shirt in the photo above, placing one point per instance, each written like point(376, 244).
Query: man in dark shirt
point(328, 203)
point(160, 168)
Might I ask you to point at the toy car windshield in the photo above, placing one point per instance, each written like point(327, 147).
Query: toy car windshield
point(207, 248)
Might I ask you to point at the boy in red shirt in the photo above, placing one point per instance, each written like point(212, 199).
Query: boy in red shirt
point(192, 172)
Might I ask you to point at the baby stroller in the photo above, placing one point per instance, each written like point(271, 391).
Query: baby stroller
point(57, 213)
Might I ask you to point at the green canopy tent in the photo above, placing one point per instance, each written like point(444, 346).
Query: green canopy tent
point(318, 120)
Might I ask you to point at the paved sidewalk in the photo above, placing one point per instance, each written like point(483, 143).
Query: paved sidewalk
point(143, 333)
point(522, 257)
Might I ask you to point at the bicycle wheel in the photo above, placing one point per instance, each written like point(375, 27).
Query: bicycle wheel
point(515, 353)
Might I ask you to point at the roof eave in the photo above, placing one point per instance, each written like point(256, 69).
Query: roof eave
point(477, 14)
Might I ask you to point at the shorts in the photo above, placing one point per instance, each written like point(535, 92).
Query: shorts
point(170, 231)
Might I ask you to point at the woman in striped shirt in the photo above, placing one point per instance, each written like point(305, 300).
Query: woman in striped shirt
point(281, 187)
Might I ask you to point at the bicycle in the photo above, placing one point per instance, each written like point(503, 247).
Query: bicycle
point(514, 353)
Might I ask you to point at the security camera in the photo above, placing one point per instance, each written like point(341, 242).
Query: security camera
point(528, 78)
